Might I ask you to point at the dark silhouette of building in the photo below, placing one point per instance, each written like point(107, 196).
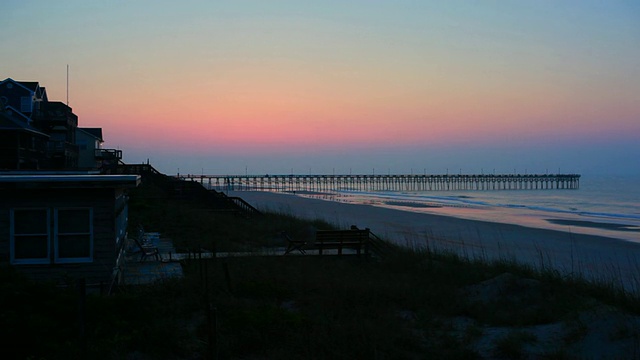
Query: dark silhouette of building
point(60, 218)
point(28, 119)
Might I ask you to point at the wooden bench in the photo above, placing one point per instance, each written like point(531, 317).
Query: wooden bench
point(342, 239)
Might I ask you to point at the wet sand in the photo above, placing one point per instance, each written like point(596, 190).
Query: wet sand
point(595, 257)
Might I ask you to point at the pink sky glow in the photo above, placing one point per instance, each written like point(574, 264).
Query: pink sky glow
point(338, 84)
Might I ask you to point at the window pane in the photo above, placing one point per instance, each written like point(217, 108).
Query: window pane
point(74, 246)
point(31, 221)
point(73, 221)
point(30, 247)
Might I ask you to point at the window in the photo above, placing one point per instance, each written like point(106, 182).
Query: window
point(74, 239)
point(25, 104)
point(32, 232)
point(29, 231)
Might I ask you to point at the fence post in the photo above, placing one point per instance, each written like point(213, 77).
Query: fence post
point(82, 301)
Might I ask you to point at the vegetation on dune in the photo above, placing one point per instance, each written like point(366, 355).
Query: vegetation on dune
point(405, 305)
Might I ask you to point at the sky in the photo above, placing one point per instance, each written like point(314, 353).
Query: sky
point(279, 87)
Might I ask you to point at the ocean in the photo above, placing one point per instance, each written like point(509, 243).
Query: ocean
point(603, 205)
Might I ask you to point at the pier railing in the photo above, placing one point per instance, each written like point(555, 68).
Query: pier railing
point(385, 182)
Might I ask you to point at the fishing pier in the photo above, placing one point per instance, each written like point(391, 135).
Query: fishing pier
point(321, 183)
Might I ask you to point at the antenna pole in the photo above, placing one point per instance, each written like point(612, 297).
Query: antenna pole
point(67, 84)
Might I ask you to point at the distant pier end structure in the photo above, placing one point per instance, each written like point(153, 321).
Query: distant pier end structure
point(386, 182)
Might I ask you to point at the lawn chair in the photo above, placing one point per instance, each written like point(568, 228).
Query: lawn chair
point(147, 250)
point(148, 246)
point(150, 239)
point(293, 244)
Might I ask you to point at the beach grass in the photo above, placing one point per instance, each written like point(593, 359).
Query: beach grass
point(408, 304)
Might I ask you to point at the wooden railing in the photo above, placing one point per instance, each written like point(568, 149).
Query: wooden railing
point(108, 154)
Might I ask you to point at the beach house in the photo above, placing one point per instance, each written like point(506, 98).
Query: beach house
point(62, 227)
point(60, 219)
point(39, 134)
point(58, 121)
point(26, 102)
point(22, 97)
point(88, 140)
point(91, 153)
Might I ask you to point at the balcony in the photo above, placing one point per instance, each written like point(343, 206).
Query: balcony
point(108, 154)
point(62, 148)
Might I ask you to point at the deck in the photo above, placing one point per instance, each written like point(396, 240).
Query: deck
point(169, 266)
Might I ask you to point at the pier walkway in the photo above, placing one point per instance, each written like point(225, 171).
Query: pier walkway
point(385, 182)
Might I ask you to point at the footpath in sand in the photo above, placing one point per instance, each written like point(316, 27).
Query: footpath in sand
point(594, 257)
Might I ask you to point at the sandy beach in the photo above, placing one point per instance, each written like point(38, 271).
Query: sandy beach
point(594, 257)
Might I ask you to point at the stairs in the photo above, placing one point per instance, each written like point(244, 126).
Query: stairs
point(378, 246)
point(189, 190)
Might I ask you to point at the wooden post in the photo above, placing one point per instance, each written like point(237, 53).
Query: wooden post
point(82, 302)
point(227, 276)
point(212, 322)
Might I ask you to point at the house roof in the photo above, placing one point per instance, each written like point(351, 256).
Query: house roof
point(56, 105)
point(95, 132)
point(42, 94)
point(45, 181)
point(9, 123)
point(28, 85)
point(31, 85)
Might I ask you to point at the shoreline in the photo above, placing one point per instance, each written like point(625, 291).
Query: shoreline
point(565, 221)
point(591, 256)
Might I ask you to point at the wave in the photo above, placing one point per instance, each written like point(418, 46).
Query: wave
point(419, 200)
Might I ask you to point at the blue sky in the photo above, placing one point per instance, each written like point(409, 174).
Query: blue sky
point(270, 86)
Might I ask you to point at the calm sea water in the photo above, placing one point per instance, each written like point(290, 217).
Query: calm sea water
point(604, 205)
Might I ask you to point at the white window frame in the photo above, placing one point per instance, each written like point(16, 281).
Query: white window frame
point(12, 238)
point(61, 260)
